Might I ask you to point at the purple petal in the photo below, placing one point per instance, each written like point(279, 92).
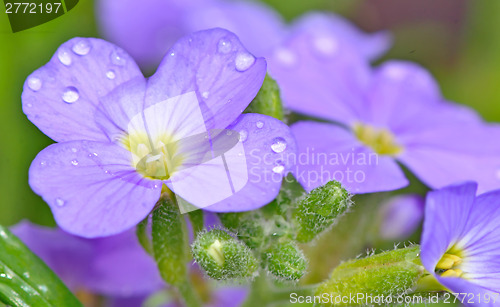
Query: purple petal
point(329, 152)
point(255, 168)
point(92, 188)
point(121, 267)
point(112, 266)
point(61, 97)
point(229, 297)
point(68, 256)
point(446, 214)
point(401, 215)
point(370, 45)
point(469, 293)
point(322, 77)
point(217, 68)
point(257, 26)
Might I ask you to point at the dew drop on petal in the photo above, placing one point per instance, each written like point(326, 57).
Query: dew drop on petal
point(243, 135)
point(224, 46)
point(60, 202)
point(64, 57)
point(172, 53)
point(70, 94)
point(205, 95)
point(243, 61)
point(74, 149)
point(278, 145)
point(110, 74)
point(34, 83)
point(74, 162)
point(43, 163)
point(117, 58)
point(259, 124)
point(82, 47)
point(279, 168)
point(326, 45)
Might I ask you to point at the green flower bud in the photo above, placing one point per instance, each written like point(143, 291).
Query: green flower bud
point(223, 257)
point(285, 261)
point(170, 242)
point(268, 100)
point(247, 225)
point(391, 273)
point(320, 209)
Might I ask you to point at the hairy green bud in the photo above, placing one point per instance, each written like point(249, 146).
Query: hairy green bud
point(390, 273)
point(320, 209)
point(285, 261)
point(170, 242)
point(223, 257)
point(247, 225)
point(268, 100)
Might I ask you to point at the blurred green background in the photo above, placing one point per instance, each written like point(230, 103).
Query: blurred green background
point(456, 39)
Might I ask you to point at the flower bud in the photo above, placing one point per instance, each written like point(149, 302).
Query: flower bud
point(320, 209)
point(285, 261)
point(389, 274)
point(248, 226)
point(223, 257)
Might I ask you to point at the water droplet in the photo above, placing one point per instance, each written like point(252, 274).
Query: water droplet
point(172, 53)
point(64, 57)
point(70, 94)
point(110, 74)
point(74, 149)
point(82, 47)
point(285, 56)
point(224, 46)
point(117, 58)
point(95, 154)
point(279, 168)
point(43, 163)
point(259, 124)
point(34, 83)
point(326, 45)
point(156, 186)
point(243, 61)
point(205, 95)
point(278, 145)
point(74, 162)
point(243, 135)
point(60, 202)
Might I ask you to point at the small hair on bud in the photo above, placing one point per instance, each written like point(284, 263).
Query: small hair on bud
point(320, 209)
point(223, 257)
point(285, 261)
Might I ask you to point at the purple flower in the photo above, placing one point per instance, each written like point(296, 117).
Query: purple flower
point(146, 31)
point(400, 216)
point(115, 266)
point(461, 241)
point(392, 114)
point(121, 136)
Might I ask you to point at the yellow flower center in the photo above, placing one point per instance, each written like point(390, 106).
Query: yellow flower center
point(382, 141)
point(450, 263)
point(156, 159)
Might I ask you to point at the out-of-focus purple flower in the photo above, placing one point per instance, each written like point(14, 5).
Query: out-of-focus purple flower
point(400, 216)
point(115, 266)
point(393, 113)
point(121, 136)
point(461, 241)
point(148, 29)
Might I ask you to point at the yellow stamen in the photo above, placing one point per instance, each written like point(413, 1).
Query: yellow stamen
point(381, 141)
point(448, 261)
point(452, 273)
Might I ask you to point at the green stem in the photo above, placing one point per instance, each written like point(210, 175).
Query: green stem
point(142, 236)
point(189, 295)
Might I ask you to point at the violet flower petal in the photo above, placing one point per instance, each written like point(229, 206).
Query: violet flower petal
point(214, 65)
point(92, 188)
point(401, 215)
point(358, 168)
point(61, 97)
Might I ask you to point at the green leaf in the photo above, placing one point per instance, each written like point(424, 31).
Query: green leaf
point(25, 280)
point(142, 235)
point(170, 242)
point(267, 101)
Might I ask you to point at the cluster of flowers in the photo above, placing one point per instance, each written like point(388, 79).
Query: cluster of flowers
point(122, 137)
